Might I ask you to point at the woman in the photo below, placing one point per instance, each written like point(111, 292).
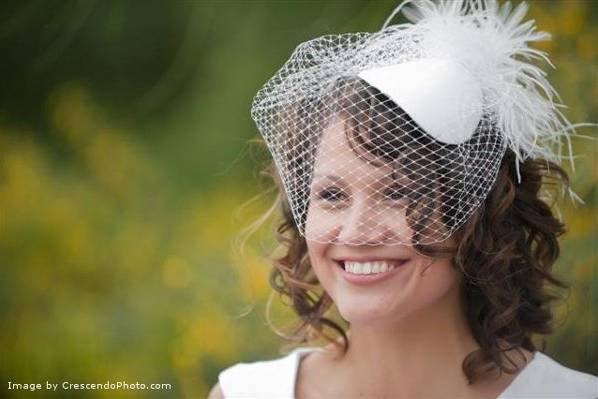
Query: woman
point(415, 162)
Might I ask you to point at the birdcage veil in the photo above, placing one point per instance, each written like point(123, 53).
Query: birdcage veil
point(396, 136)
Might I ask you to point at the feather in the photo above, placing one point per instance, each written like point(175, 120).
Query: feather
point(493, 43)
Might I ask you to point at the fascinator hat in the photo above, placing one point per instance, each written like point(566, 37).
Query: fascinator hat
point(396, 136)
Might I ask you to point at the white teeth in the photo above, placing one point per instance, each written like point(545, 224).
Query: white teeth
point(368, 267)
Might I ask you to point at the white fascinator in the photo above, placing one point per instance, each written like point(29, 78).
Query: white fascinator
point(396, 136)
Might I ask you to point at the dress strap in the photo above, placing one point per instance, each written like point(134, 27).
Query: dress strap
point(267, 379)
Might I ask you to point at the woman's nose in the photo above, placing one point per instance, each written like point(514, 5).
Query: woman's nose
point(362, 226)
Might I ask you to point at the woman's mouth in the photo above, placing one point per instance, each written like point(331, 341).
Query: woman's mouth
point(365, 272)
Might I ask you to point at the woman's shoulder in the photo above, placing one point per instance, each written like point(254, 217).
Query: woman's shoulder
point(546, 377)
point(264, 378)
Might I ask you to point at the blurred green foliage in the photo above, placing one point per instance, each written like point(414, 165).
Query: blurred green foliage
point(124, 165)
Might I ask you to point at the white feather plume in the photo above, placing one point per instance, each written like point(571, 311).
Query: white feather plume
point(493, 43)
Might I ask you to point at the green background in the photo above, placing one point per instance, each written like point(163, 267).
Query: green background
point(125, 172)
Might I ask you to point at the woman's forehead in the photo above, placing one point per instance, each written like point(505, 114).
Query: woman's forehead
point(336, 157)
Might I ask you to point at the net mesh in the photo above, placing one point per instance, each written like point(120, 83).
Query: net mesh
point(356, 168)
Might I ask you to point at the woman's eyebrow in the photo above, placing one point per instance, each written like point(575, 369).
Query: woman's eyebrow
point(386, 179)
point(331, 177)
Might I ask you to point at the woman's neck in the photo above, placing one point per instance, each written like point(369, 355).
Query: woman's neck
point(419, 354)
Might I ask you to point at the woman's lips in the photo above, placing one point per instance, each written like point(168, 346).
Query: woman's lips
point(394, 261)
point(369, 279)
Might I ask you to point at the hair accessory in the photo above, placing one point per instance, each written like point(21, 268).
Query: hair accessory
point(396, 136)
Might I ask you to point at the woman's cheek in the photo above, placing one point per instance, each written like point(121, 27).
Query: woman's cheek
point(316, 252)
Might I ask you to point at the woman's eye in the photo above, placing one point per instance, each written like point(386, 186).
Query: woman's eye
point(332, 194)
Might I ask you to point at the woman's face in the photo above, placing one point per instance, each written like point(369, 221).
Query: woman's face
point(354, 207)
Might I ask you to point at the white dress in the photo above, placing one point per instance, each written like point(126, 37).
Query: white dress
point(542, 377)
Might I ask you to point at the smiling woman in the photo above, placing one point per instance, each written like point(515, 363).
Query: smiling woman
point(415, 163)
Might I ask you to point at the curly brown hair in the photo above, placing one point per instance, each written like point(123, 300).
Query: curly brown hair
point(505, 252)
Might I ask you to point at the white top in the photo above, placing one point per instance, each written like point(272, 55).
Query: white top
point(542, 377)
